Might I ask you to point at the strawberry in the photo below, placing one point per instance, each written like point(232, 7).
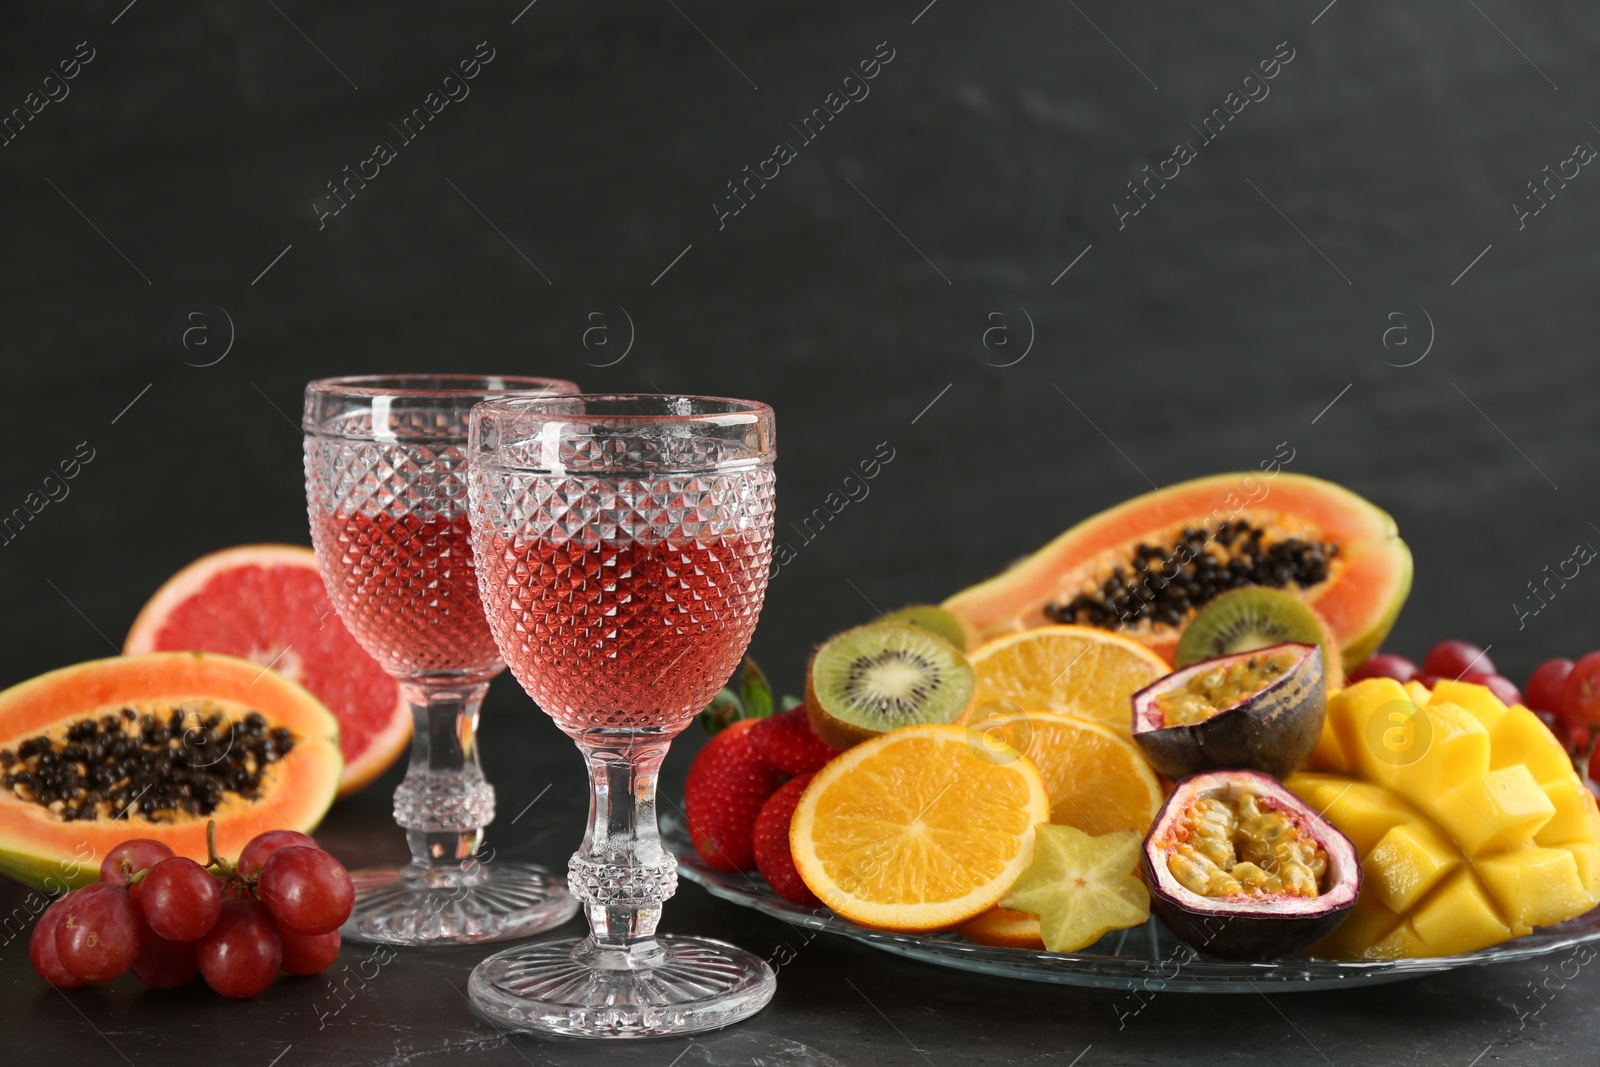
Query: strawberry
point(726, 787)
point(773, 857)
point(787, 745)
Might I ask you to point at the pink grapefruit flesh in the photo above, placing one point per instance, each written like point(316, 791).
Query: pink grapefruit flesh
point(266, 603)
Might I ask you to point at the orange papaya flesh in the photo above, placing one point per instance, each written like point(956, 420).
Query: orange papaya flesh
point(1359, 570)
point(155, 746)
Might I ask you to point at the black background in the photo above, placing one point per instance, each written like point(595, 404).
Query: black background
point(853, 293)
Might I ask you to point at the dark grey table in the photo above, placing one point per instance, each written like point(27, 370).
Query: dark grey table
point(837, 1002)
point(949, 269)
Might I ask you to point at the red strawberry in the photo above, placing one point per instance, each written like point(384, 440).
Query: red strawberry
point(773, 857)
point(787, 745)
point(727, 785)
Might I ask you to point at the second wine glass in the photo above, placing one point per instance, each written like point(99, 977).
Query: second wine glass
point(386, 494)
point(622, 546)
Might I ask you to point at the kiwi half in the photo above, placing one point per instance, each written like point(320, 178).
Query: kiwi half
point(1243, 620)
point(873, 679)
point(935, 620)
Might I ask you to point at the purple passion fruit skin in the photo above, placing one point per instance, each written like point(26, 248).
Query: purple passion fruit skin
point(1286, 914)
point(1270, 727)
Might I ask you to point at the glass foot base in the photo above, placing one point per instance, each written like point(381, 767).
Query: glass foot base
point(672, 985)
point(434, 906)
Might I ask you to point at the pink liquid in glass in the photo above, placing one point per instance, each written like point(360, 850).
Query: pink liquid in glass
point(406, 588)
point(631, 635)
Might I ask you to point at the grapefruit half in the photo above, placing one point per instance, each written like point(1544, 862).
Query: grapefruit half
point(267, 604)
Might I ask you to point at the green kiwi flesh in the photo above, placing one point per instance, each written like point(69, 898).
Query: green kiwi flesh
point(935, 620)
point(1243, 620)
point(876, 678)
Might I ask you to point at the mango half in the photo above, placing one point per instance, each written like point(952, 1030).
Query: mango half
point(1472, 825)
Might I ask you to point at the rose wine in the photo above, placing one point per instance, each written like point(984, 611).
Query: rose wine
point(629, 634)
point(405, 587)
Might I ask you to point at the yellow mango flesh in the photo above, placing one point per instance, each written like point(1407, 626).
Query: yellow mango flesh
point(1495, 810)
point(1477, 699)
point(1471, 824)
point(1460, 917)
point(1409, 860)
point(1519, 737)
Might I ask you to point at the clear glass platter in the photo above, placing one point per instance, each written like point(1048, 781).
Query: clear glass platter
point(1147, 958)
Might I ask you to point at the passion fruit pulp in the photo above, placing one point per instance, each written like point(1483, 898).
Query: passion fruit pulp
point(1237, 866)
point(1260, 710)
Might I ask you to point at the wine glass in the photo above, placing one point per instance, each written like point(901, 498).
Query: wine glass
point(386, 492)
point(622, 546)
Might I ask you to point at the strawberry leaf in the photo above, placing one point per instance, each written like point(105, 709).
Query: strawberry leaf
point(755, 691)
point(723, 711)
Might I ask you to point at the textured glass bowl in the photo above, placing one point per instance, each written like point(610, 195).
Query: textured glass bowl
point(1147, 957)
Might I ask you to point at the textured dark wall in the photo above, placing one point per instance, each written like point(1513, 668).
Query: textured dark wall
point(989, 153)
point(880, 291)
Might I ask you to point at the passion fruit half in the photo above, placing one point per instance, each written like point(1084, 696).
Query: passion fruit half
point(1239, 867)
point(1260, 710)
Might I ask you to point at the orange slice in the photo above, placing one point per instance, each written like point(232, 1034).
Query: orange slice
point(1005, 928)
point(1096, 781)
point(919, 829)
point(1077, 670)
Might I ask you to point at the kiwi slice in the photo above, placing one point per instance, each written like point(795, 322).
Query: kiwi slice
point(1242, 620)
point(873, 679)
point(935, 620)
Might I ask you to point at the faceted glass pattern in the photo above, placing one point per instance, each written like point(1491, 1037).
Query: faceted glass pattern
point(623, 547)
point(623, 602)
point(387, 499)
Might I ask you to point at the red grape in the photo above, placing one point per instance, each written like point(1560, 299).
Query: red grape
point(1502, 687)
point(164, 964)
point(42, 949)
point(265, 844)
point(308, 953)
point(131, 857)
point(98, 936)
point(179, 899)
point(1428, 681)
point(1547, 685)
point(1385, 665)
point(306, 890)
point(1581, 698)
point(241, 954)
point(1452, 659)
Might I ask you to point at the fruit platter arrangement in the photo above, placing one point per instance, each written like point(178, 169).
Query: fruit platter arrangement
point(1165, 750)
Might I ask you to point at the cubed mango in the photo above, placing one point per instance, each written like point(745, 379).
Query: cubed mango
point(1477, 699)
point(1365, 925)
point(1519, 737)
point(1409, 860)
point(1573, 820)
point(1534, 886)
point(1458, 917)
point(1495, 810)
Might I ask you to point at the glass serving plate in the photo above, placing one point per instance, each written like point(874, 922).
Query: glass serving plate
point(1147, 958)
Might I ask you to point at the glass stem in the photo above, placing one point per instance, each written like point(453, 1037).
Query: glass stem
point(622, 875)
point(444, 802)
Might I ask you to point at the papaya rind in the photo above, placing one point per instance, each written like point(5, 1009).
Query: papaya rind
point(41, 851)
point(991, 607)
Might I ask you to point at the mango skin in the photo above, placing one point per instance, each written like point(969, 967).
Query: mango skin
point(1472, 825)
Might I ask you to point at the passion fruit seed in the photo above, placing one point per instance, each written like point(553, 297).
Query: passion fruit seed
point(1222, 686)
point(1245, 850)
point(159, 766)
point(1160, 586)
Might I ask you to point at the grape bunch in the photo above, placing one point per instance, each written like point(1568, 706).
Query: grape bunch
point(167, 918)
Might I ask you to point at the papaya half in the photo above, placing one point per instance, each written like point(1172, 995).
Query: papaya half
point(155, 746)
point(1145, 567)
